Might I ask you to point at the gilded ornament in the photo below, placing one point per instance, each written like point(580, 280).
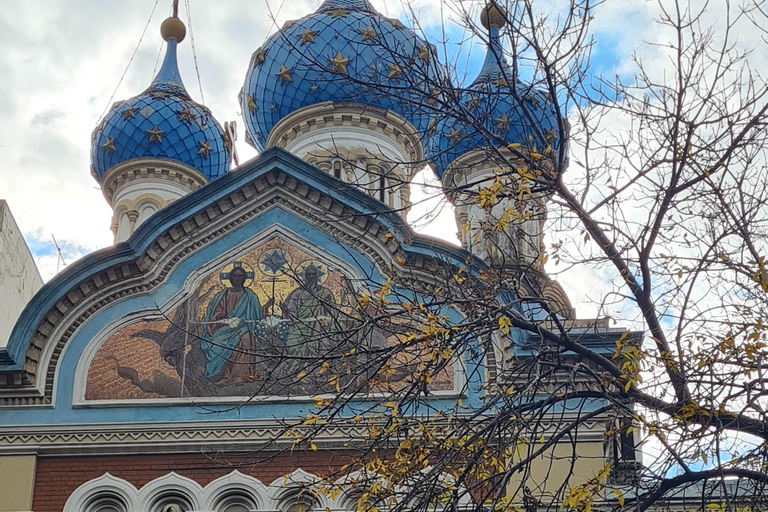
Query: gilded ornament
point(308, 36)
point(474, 102)
point(251, 104)
point(502, 123)
point(454, 136)
point(394, 71)
point(339, 63)
point(501, 82)
point(424, 53)
point(339, 12)
point(155, 134)
point(129, 113)
point(186, 115)
point(368, 33)
point(284, 74)
point(259, 56)
point(205, 148)
point(159, 95)
point(109, 145)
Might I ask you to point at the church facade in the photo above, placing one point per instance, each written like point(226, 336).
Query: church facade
point(176, 370)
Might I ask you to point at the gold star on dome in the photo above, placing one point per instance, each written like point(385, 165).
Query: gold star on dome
point(313, 88)
point(434, 94)
point(394, 71)
point(501, 82)
point(424, 53)
point(550, 134)
point(432, 126)
point(272, 107)
point(368, 33)
point(308, 36)
point(129, 113)
point(259, 56)
point(109, 145)
point(155, 134)
point(339, 63)
point(186, 115)
point(454, 136)
point(284, 74)
point(339, 12)
point(251, 104)
point(205, 148)
point(473, 102)
point(502, 123)
point(159, 95)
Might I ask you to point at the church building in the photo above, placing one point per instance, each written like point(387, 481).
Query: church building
point(176, 370)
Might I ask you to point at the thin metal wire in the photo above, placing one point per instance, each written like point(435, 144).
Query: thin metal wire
point(109, 103)
point(194, 53)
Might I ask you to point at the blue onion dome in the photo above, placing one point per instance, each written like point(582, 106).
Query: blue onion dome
point(161, 122)
point(497, 109)
point(344, 52)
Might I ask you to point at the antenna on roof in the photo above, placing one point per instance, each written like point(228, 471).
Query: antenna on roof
point(61, 258)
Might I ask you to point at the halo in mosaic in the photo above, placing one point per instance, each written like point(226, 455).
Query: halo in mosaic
point(343, 52)
point(161, 122)
point(508, 112)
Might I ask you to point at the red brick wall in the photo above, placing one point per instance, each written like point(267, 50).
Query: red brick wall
point(57, 477)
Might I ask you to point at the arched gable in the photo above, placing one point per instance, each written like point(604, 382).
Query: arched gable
point(181, 253)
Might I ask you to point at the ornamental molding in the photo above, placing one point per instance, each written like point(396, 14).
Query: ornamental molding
point(150, 168)
point(483, 161)
point(230, 436)
point(348, 114)
point(34, 384)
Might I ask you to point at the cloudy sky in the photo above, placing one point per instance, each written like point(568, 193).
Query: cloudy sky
point(61, 64)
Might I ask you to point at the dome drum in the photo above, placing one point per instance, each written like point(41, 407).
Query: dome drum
point(369, 147)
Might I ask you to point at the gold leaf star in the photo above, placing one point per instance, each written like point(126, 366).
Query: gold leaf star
point(424, 53)
point(368, 33)
point(251, 104)
point(308, 36)
point(259, 56)
point(394, 71)
point(339, 63)
point(550, 134)
point(129, 113)
point(314, 88)
point(473, 102)
point(501, 82)
point(284, 74)
point(155, 135)
point(432, 126)
point(159, 95)
point(454, 136)
point(272, 107)
point(205, 148)
point(109, 145)
point(434, 94)
point(502, 123)
point(186, 115)
point(339, 12)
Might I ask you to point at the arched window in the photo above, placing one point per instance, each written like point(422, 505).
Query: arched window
point(171, 502)
point(235, 502)
point(106, 502)
point(337, 169)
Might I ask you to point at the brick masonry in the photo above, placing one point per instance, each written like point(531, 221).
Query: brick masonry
point(57, 477)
